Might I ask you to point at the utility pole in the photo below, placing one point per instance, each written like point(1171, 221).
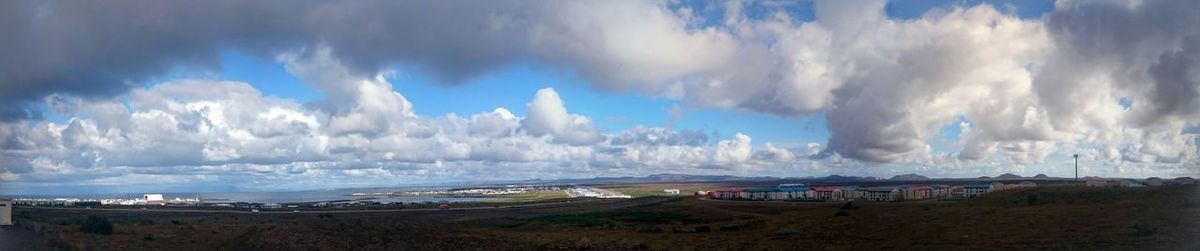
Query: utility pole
point(1076, 168)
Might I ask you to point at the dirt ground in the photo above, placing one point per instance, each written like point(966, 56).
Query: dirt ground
point(17, 238)
point(1155, 218)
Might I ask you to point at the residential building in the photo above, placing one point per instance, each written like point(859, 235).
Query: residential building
point(919, 192)
point(882, 194)
point(728, 194)
point(976, 190)
point(825, 193)
point(758, 193)
point(790, 193)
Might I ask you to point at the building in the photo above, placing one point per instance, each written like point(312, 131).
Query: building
point(671, 191)
point(790, 193)
point(918, 192)
point(758, 193)
point(846, 193)
point(6, 206)
point(941, 191)
point(728, 194)
point(153, 199)
point(976, 190)
point(882, 194)
point(958, 192)
point(1096, 183)
point(997, 186)
point(825, 193)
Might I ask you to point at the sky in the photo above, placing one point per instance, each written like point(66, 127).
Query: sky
point(135, 96)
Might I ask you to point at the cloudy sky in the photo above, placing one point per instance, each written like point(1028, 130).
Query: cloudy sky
point(107, 96)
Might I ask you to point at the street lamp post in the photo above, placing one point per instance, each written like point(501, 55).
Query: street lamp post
point(1076, 167)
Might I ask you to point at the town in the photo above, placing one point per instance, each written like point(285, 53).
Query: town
point(908, 192)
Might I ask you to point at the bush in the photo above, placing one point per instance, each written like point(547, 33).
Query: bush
point(842, 213)
point(786, 231)
point(96, 225)
point(1031, 199)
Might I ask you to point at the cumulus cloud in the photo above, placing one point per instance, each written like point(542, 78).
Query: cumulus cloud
point(1113, 80)
point(211, 127)
point(547, 116)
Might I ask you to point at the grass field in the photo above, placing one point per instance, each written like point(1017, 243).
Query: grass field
point(535, 196)
point(643, 190)
point(1041, 218)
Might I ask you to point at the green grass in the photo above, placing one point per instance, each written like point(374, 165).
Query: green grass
point(535, 196)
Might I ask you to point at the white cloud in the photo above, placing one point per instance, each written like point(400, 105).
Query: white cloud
point(547, 116)
point(1025, 90)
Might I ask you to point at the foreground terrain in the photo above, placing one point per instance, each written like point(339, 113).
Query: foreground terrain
point(1038, 218)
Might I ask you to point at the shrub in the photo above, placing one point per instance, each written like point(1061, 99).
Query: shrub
point(1031, 199)
point(96, 225)
point(786, 231)
point(842, 213)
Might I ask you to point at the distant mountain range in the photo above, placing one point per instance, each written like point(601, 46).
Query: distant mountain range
point(909, 177)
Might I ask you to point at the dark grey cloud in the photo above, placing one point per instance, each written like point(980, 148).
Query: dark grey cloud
point(99, 49)
point(1176, 89)
point(1145, 47)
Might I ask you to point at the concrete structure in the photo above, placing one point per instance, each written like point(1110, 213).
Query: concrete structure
point(153, 199)
point(6, 207)
point(976, 190)
point(918, 192)
point(882, 194)
point(826, 193)
point(790, 193)
point(758, 193)
point(671, 191)
point(728, 194)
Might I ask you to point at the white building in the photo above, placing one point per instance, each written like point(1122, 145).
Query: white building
point(153, 199)
point(671, 191)
point(6, 212)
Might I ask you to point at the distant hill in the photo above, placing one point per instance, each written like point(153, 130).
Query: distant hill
point(1008, 176)
point(984, 177)
point(909, 177)
point(1041, 176)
